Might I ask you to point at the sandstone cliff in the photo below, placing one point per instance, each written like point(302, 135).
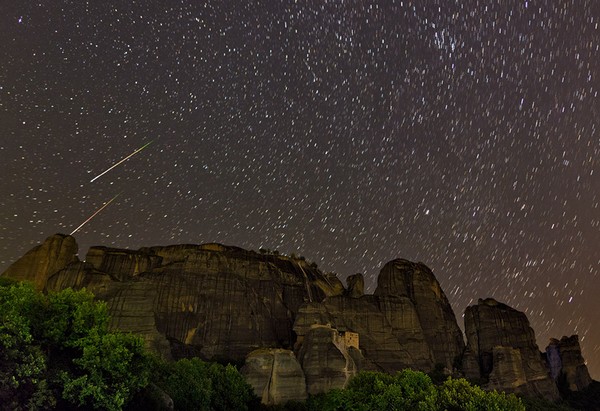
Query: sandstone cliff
point(415, 281)
point(501, 349)
point(44, 260)
point(407, 323)
point(275, 375)
point(567, 364)
point(299, 330)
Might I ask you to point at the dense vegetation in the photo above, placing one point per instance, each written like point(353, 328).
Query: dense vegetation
point(56, 352)
point(411, 390)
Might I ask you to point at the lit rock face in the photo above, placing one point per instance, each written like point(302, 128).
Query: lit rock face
point(501, 348)
point(389, 331)
point(567, 365)
point(408, 323)
point(326, 359)
point(223, 303)
point(39, 263)
point(211, 301)
point(122, 264)
point(275, 375)
point(416, 282)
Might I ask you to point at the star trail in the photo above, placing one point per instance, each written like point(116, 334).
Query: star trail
point(463, 134)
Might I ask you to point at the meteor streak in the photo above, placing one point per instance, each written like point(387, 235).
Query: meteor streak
point(123, 160)
point(94, 215)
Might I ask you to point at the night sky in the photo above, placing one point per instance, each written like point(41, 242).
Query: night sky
point(464, 134)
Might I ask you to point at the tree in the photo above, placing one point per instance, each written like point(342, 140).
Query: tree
point(230, 390)
point(56, 349)
point(459, 394)
point(187, 382)
point(23, 365)
point(197, 385)
point(412, 391)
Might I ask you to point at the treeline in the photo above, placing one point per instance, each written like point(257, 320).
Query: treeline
point(56, 352)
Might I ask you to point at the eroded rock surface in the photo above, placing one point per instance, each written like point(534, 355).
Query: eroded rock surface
point(415, 281)
point(39, 263)
point(566, 362)
point(225, 303)
point(408, 323)
point(210, 300)
point(326, 359)
point(502, 344)
point(356, 285)
point(275, 375)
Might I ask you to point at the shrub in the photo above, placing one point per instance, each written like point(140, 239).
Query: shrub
point(56, 350)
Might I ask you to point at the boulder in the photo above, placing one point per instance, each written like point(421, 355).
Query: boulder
point(566, 363)
point(501, 342)
point(39, 263)
point(275, 375)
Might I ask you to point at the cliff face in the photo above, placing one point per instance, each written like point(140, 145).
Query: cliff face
point(44, 260)
point(299, 330)
point(415, 281)
point(567, 366)
point(211, 301)
point(501, 349)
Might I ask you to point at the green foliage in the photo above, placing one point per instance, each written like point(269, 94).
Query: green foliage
point(459, 394)
point(111, 368)
point(23, 365)
point(56, 350)
point(187, 382)
point(230, 390)
point(407, 390)
point(69, 316)
point(197, 385)
point(411, 390)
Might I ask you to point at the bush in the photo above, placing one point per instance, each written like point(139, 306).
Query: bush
point(197, 385)
point(411, 390)
point(459, 394)
point(56, 350)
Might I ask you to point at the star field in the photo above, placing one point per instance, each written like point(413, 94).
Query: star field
point(463, 134)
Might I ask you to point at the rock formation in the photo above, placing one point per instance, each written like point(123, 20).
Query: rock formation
point(407, 323)
point(567, 365)
point(42, 261)
point(356, 285)
point(390, 333)
point(326, 360)
point(275, 375)
point(501, 349)
point(415, 281)
point(297, 329)
point(211, 301)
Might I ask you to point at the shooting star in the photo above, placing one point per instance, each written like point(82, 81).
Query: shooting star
point(122, 161)
point(94, 215)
